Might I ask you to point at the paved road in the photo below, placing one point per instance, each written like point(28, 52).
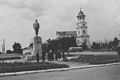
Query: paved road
point(97, 73)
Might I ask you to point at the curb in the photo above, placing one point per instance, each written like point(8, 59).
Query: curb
point(55, 70)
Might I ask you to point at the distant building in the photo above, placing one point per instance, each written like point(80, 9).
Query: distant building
point(81, 32)
point(61, 34)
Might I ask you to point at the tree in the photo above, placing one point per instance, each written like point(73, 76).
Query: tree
point(84, 46)
point(31, 45)
point(45, 47)
point(67, 42)
point(61, 44)
point(17, 48)
point(53, 44)
point(9, 51)
point(115, 43)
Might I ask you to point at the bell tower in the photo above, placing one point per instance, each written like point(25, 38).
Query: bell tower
point(81, 30)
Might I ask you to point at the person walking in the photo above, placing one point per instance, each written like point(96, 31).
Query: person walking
point(37, 56)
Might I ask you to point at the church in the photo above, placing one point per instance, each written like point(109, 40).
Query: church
point(80, 33)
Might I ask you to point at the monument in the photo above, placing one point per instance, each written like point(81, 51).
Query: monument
point(37, 41)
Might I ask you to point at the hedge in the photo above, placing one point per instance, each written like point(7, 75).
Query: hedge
point(29, 66)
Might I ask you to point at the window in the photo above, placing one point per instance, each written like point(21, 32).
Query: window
point(78, 32)
point(84, 32)
point(83, 17)
point(85, 40)
point(80, 17)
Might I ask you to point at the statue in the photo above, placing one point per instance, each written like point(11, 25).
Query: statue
point(36, 27)
point(37, 43)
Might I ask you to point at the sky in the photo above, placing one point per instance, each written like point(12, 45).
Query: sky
point(17, 18)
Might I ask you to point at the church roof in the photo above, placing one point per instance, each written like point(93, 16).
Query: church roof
point(65, 33)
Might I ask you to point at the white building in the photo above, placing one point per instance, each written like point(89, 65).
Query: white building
point(81, 32)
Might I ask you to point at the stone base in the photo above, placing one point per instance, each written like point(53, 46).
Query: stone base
point(30, 58)
point(37, 45)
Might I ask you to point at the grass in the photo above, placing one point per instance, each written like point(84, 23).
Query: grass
point(29, 66)
point(106, 61)
point(97, 59)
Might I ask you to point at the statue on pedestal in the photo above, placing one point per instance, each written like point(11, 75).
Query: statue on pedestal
point(37, 44)
point(37, 41)
point(36, 27)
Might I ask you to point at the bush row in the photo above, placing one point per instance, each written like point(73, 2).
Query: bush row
point(16, 67)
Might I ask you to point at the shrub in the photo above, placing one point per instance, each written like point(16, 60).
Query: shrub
point(28, 66)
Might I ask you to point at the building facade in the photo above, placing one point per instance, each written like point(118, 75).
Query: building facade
point(61, 34)
point(81, 32)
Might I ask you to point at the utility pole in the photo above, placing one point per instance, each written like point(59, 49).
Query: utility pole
point(3, 46)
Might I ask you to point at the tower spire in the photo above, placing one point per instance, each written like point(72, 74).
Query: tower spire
point(81, 15)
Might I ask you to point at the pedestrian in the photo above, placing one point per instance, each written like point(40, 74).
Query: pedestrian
point(56, 56)
point(37, 56)
point(63, 55)
point(59, 55)
point(52, 56)
point(118, 50)
point(43, 55)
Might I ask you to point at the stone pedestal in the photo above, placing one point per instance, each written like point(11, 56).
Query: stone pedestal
point(37, 45)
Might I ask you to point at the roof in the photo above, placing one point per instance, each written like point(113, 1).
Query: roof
point(65, 33)
point(81, 12)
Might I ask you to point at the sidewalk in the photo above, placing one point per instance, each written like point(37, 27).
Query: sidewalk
point(72, 66)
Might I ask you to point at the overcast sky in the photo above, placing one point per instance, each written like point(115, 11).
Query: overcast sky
point(17, 17)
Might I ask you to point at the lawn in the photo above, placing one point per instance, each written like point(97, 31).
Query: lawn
point(29, 66)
